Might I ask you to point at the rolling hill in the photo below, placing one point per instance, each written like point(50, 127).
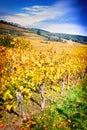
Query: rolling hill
point(14, 29)
point(60, 36)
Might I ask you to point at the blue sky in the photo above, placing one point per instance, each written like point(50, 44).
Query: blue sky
point(64, 16)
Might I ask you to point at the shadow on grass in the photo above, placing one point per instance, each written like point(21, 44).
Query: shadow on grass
point(14, 112)
point(60, 111)
point(33, 100)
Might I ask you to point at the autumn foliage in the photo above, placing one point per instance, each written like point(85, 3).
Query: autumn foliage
point(23, 68)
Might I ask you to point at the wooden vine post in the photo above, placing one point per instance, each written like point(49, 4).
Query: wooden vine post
point(68, 81)
point(42, 87)
point(19, 98)
point(62, 91)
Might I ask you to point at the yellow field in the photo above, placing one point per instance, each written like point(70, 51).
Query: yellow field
point(40, 43)
point(58, 47)
point(5, 26)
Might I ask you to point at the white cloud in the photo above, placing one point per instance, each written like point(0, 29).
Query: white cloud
point(35, 8)
point(38, 16)
point(35, 14)
point(66, 28)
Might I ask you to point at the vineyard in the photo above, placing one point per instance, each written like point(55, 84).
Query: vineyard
point(42, 77)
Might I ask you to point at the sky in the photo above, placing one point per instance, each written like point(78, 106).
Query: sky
point(59, 16)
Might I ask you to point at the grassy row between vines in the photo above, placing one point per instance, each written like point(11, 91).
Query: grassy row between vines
point(69, 112)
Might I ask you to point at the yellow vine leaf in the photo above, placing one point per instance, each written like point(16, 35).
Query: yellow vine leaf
point(8, 107)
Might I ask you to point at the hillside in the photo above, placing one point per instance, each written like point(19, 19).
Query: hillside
point(60, 37)
point(43, 81)
point(14, 29)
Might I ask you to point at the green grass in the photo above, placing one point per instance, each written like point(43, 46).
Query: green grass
point(67, 113)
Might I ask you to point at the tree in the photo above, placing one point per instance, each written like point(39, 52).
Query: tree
point(38, 32)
